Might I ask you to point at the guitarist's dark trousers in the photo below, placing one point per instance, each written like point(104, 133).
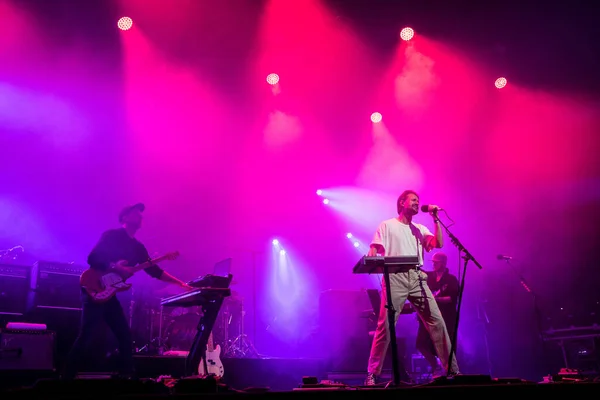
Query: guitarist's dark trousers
point(92, 317)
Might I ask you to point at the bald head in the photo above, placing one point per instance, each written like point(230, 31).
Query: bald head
point(439, 261)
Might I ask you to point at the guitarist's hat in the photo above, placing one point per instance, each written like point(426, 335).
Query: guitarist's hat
point(126, 210)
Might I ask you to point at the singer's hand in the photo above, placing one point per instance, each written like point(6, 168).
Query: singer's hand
point(434, 210)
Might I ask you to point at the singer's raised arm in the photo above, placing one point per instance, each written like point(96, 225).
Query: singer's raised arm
point(435, 241)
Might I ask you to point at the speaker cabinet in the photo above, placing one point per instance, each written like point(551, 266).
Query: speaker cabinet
point(347, 324)
point(14, 289)
point(27, 351)
point(344, 332)
point(55, 285)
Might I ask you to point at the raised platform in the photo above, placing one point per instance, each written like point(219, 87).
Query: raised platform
point(161, 376)
point(95, 388)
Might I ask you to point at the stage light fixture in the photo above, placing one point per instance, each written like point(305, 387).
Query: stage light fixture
point(407, 34)
point(272, 79)
point(124, 23)
point(500, 82)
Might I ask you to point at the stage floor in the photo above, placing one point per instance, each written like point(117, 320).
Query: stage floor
point(96, 388)
point(161, 376)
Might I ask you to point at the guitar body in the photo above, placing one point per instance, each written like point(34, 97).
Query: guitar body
point(213, 363)
point(101, 286)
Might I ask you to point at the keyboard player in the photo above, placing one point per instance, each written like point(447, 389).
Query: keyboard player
point(401, 236)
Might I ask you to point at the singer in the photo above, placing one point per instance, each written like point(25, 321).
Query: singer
point(401, 237)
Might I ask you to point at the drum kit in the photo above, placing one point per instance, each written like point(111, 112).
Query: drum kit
point(171, 330)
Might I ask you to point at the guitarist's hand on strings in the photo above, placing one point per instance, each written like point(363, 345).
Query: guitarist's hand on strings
point(122, 269)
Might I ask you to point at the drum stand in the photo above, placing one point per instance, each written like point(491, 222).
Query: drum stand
point(241, 346)
point(156, 344)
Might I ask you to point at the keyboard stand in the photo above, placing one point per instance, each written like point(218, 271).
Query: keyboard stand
point(391, 315)
point(210, 311)
point(383, 265)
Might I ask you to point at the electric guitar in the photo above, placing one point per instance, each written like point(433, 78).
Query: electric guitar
point(213, 360)
point(103, 285)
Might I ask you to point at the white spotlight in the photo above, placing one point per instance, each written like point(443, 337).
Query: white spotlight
point(500, 82)
point(124, 23)
point(275, 242)
point(272, 79)
point(407, 33)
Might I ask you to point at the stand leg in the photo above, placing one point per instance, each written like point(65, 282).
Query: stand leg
point(564, 354)
point(391, 313)
point(198, 349)
point(454, 337)
point(485, 322)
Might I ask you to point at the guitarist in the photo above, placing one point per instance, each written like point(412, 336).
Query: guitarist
point(121, 247)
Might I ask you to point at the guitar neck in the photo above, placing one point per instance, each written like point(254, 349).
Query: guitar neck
point(147, 264)
point(209, 345)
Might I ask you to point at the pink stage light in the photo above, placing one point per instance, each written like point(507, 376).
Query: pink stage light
point(319, 192)
point(282, 252)
point(124, 23)
point(325, 201)
point(275, 242)
point(500, 82)
point(376, 117)
point(272, 79)
point(406, 34)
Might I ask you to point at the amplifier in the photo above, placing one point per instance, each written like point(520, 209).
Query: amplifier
point(27, 351)
point(56, 285)
point(345, 333)
point(14, 289)
point(52, 267)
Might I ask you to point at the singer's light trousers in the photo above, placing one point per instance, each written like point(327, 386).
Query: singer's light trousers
point(411, 286)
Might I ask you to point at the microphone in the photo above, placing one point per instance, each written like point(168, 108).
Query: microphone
point(430, 208)
point(503, 257)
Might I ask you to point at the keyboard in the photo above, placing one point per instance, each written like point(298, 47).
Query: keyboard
point(195, 297)
point(376, 264)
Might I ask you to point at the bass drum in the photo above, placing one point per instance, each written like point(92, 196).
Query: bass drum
point(180, 332)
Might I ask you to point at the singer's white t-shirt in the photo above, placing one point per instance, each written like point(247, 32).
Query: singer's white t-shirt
point(399, 239)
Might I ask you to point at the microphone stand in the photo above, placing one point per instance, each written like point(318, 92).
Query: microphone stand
point(466, 256)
